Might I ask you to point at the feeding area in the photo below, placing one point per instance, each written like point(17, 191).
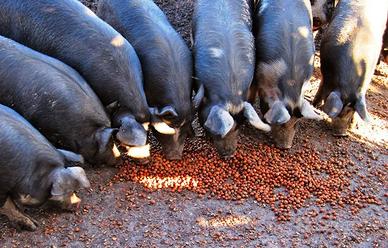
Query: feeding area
point(293, 173)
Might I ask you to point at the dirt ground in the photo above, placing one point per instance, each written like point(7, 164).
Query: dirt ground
point(129, 213)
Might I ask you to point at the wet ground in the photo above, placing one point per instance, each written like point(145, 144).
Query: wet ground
point(130, 212)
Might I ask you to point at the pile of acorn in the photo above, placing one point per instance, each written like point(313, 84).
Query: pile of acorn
point(283, 180)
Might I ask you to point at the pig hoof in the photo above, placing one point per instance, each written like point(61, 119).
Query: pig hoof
point(142, 161)
point(284, 147)
point(34, 221)
point(26, 223)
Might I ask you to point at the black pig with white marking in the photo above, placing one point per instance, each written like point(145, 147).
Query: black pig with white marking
point(166, 65)
point(284, 57)
point(350, 50)
point(224, 55)
point(32, 171)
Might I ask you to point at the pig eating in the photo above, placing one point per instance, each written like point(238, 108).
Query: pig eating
point(224, 66)
point(350, 50)
point(32, 171)
point(284, 58)
point(166, 64)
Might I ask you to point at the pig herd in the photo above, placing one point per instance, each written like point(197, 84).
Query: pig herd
point(73, 83)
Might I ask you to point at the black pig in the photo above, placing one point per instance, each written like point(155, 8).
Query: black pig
point(32, 171)
point(284, 57)
point(166, 64)
point(56, 100)
point(224, 55)
point(350, 50)
point(72, 33)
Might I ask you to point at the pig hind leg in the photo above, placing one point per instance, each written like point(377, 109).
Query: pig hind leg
point(17, 218)
point(322, 93)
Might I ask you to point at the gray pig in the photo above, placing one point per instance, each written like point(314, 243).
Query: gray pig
point(166, 65)
point(72, 33)
point(284, 57)
point(32, 171)
point(56, 100)
point(350, 49)
point(224, 56)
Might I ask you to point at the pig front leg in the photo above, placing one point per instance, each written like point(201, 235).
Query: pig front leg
point(16, 217)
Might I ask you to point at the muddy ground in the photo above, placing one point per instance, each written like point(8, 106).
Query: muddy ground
point(128, 214)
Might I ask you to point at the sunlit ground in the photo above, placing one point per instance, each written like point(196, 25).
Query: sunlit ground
point(375, 132)
point(228, 221)
point(154, 182)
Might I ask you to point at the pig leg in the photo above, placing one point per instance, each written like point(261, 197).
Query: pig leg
point(322, 94)
point(17, 218)
point(252, 93)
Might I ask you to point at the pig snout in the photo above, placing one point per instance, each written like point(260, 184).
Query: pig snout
point(225, 151)
point(172, 145)
point(175, 154)
point(68, 202)
point(226, 146)
point(343, 122)
point(341, 126)
point(283, 135)
point(130, 132)
point(111, 161)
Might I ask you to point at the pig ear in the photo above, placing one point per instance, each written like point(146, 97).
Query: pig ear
point(166, 111)
point(71, 156)
point(277, 114)
point(199, 96)
point(219, 121)
point(66, 180)
point(78, 174)
point(333, 104)
point(163, 128)
point(309, 112)
point(254, 119)
point(103, 139)
point(158, 124)
point(57, 179)
point(360, 108)
point(59, 187)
